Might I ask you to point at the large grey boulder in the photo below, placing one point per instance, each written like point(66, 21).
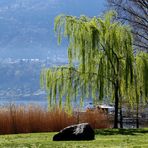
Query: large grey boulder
point(81, 131)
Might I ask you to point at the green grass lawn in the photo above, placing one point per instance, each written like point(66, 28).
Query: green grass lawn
point(131, 138)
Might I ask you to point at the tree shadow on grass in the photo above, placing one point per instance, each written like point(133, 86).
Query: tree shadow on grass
point(120, 131)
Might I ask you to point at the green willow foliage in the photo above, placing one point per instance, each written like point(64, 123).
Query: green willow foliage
point(141, 63)
point(100, 53)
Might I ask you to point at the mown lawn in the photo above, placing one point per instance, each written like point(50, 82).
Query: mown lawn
point(131, 138)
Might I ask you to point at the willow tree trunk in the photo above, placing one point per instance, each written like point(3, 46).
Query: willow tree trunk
point(121, 113)
point(121, 118)
point(137, 101)
point(116, 87)
point(137, 115)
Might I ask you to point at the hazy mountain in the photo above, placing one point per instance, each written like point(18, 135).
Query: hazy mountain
point(26, 34)
point(20, 79)
point(26, 26)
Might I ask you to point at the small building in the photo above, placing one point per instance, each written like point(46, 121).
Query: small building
point(106, 108)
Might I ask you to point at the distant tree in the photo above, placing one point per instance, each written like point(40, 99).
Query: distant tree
point(100, 58)
point(141, 81)
point(135, 13)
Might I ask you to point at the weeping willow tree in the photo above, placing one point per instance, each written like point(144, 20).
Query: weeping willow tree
point(101, 61)
point(141, 82)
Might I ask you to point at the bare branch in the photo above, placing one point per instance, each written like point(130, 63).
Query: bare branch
point(134, 12)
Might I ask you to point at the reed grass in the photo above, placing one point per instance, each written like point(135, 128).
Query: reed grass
point(98, 119)
point(32, 118)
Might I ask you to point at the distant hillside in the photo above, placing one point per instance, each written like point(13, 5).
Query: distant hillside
point(26, 32)
point(20, 79)
point(26, 26)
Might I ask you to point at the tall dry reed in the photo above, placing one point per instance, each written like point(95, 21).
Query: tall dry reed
point(32, 118)
point(98, 119)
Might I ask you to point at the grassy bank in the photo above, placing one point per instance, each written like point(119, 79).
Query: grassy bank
point(132, 138)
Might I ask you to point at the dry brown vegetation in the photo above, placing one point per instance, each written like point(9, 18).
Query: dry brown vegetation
point(32, 118)
point(97, 119)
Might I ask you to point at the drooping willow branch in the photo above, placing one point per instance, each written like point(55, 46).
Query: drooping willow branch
point(103, 51)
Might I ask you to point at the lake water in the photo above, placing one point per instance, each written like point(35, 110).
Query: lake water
point(42, 103)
